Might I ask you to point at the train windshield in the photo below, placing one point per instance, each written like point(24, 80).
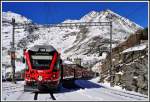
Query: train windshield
point(41, 61)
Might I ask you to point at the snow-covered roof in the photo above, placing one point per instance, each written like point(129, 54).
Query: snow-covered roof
point(135, 48)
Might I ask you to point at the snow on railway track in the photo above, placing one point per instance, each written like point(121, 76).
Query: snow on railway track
point(80, 90)
point(16, 92)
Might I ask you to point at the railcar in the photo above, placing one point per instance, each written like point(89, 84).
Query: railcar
point(44, 70)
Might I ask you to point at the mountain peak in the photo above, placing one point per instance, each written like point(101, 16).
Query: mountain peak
point(19, 18)
point(93, 12)
point(108, 10)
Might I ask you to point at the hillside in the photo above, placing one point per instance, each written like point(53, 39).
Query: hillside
point(129, 64)
point(72, 42)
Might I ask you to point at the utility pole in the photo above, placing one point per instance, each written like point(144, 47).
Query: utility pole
point(13, 51)
point(110, 73)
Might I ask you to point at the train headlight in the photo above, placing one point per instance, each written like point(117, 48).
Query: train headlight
point(40, 78)
point(54, 75)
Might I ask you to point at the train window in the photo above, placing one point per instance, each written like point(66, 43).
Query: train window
point(41, 62)
point(57, 65)
point(42, 57)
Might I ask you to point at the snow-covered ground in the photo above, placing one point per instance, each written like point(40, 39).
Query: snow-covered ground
point(90, 91)
point(104, 92)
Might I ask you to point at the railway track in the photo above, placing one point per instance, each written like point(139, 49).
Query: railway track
point(44, 92)
point(67, 84)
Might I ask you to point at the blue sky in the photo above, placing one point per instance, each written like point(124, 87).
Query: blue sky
point(56, 12)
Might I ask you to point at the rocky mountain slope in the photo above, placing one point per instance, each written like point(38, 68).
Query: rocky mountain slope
point(73, 42)
point(129, 64)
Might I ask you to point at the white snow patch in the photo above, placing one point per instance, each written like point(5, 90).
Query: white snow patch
point(135, 48)
point(67, 62)
point(135, 77)
point(121, 73)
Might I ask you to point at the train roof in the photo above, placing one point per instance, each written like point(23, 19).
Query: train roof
point(48, 48)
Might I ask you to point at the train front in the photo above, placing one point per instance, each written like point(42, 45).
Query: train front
point(43, 68)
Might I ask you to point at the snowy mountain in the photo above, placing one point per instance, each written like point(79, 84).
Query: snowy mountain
point(7, 16)
point(7, 36)
point(7, 28)
point(82, 42)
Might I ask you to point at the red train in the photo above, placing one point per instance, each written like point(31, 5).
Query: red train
point(43, 68)
point(76, 71)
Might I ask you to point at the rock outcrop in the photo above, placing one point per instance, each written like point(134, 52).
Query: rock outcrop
point(129, 64)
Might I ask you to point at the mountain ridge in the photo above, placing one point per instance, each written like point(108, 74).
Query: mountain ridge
point(73, 42)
